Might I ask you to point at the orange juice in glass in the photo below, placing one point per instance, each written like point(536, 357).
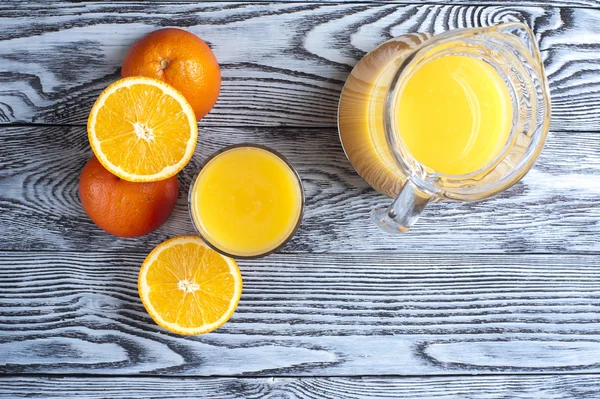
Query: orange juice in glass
point(247, 201)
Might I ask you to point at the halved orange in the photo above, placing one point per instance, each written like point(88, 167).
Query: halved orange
point(142, 129)
point(189, 288)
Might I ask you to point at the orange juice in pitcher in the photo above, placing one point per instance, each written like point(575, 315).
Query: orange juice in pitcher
point(460, 116)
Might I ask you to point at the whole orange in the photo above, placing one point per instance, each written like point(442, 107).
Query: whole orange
point(181, 59)
point(122, 208)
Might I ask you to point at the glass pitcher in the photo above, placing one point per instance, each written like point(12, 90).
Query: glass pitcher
point(369, 128)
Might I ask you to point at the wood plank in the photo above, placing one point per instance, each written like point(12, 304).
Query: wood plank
point(25, 5)
point(302, 315)
point(283, 63)
point(481, 387)
point(556, 208)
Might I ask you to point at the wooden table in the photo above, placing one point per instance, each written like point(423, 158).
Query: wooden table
point(488, 300)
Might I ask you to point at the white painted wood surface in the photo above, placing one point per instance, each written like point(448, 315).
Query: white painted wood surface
point(282, 63)
point(303, 315)
point(556, 208)
point(480, 387)
point(507, 288)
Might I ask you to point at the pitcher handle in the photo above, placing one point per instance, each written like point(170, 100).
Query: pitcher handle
point(404, 211)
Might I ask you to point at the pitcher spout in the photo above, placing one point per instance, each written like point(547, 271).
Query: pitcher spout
point(522, 36)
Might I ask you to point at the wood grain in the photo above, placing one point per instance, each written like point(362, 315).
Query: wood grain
point(483, 387)
point(283, 63)
point(326, 315)
point(556, 208)
point(25, 6)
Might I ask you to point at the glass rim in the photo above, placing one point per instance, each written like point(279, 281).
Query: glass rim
point(278, 155)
